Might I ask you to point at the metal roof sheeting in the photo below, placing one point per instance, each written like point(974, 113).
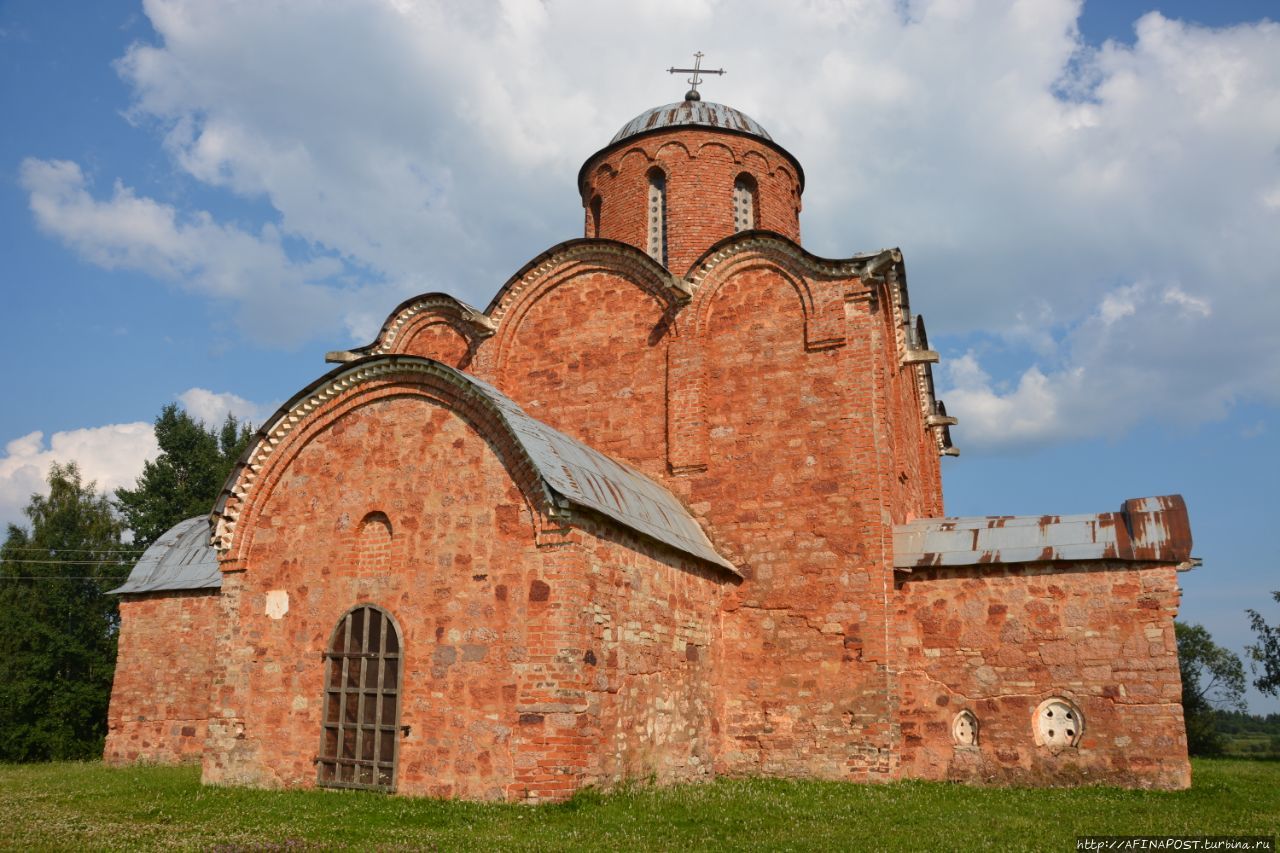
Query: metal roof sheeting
point(704, 113)
point(1145, 529)
point(181, 558)
point(571, 472)
point(586, 477)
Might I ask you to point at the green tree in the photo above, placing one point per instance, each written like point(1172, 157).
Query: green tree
point(1212, 679)
point(184, 480)
point(1266, 653)
point(57, 626)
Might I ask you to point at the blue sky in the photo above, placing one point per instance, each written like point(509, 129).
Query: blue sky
point(197, 200)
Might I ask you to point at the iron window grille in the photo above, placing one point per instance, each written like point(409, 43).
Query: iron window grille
point(359, 740)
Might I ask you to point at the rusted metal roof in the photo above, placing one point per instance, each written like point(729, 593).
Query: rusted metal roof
point(586, 477)
point(181, 558)
point(703, 113)
point(1145, 529)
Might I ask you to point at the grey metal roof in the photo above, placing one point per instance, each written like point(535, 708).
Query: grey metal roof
point(1151, 529)
point(181, 558)
point(703, 113)
point(586, 477)
point(572, 472)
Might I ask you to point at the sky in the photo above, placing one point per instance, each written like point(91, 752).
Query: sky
point(199, 198)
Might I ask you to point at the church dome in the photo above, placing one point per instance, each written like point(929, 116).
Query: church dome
point(691, 113)
point(677, 178)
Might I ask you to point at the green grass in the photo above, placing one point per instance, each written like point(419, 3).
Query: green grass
point(89, 806)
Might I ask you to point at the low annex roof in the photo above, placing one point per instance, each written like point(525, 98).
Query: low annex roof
point(1145, 529)
point(182, 558)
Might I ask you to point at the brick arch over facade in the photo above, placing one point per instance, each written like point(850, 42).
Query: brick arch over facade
point(581, 345)
point(431, 325)
point(328, 401)
point(624, 259)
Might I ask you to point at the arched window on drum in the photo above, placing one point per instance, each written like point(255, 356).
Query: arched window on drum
point(657, 210)
point(593, 217)
point(745, 191)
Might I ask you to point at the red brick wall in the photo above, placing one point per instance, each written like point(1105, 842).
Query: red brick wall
point(160, 696)
point(701, 167)
point(437, 340)
point(501, 696)
point(651, 617)
point(456, 579)
point(779, 404)
point(802, 681)
point(997, 640)
point(586, 354)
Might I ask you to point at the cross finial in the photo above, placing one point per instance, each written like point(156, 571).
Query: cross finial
point(692, 94)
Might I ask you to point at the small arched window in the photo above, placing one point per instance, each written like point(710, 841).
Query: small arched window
point(657, 208)
point(593, 221)
point(744, 203)
point(374, 554)
point(360, 734)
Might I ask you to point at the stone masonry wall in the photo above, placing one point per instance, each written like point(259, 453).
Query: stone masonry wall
point(501, 697)
point(998, 640)
point(456, 578)
point(775, 407)
point(789, 489)
point(160, 696)
point(652, 615)
point(587, 355)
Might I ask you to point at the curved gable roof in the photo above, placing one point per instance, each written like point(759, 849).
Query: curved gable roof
point(571, 472)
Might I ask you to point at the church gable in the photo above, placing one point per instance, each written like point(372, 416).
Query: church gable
point(491, 542)
point(433, 325)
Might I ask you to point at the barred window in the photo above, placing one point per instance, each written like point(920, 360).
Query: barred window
point(359, 742)
point(658, 216)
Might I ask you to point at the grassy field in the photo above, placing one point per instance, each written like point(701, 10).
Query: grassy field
point(91, 807)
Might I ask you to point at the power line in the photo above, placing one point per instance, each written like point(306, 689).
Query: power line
point(121, 562)
point(81, 550)
point(57, 578)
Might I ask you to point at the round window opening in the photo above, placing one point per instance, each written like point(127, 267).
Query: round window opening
point(1058, 724)
point(964, 729)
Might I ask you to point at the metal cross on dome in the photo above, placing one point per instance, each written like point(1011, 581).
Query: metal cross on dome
point(692, 94)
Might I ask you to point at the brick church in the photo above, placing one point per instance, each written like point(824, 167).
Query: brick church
point(669, 507)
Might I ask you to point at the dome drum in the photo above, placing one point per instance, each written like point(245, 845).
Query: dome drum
point(678, 178)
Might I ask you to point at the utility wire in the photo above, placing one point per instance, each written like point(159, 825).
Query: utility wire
point(56, 578)
point(73, 562)
point(81, 550)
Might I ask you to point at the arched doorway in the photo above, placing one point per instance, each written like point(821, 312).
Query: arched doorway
point(359, 741)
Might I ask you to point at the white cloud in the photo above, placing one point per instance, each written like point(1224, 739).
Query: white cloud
point(1112, 206)
point(212, 408)
point(279, 299)
point(1146, 354)
point(111, 456)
